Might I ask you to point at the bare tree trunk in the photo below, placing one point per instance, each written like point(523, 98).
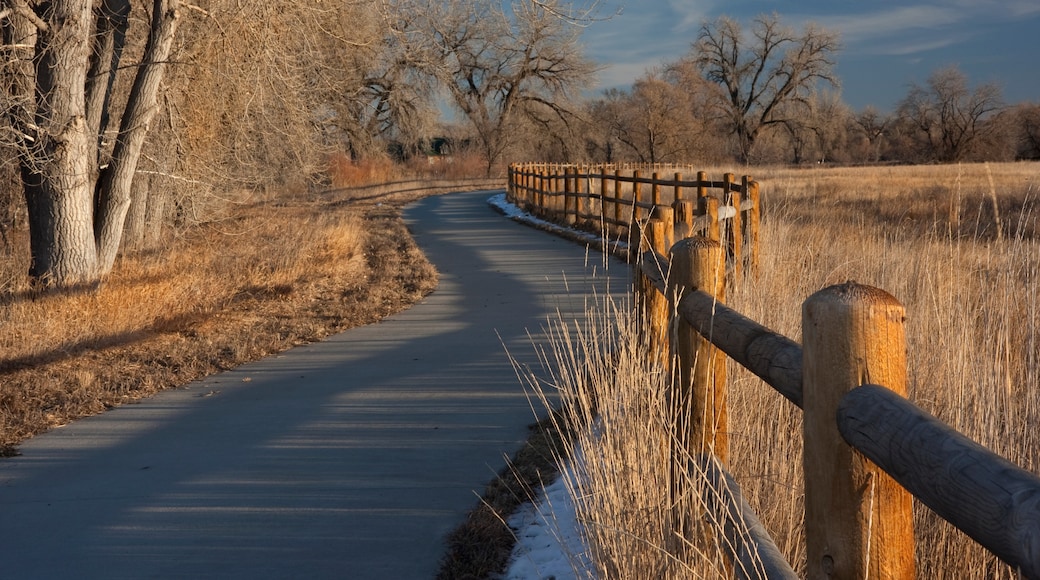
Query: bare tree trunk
point(56, 167)
point(115, 186)
point(134, 231)
point(109, 40)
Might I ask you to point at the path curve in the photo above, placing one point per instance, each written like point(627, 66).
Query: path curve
point(348, 458)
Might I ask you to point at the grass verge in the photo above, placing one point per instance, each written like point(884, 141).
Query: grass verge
point(268, 277)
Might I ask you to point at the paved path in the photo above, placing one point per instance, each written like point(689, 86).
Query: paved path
point(349, 458)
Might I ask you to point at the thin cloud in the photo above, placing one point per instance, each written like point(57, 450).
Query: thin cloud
point(859, 29)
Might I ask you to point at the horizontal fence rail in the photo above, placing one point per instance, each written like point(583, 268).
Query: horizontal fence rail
point(868, 450)
point(990, 499)
point(617, 201)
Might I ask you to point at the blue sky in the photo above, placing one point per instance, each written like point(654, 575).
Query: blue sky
point(886, 44)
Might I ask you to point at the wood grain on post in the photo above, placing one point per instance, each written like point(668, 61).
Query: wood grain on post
point(658, 231)
point(994, 501)
point(699, 398)
point(711, 210)
point(858, 520)
point(678, 188)
point(702, 184)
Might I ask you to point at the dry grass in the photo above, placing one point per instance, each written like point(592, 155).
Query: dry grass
point(272, 274)
point(956, 244)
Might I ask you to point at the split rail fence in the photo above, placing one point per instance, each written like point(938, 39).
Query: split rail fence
point(868, 450)
point(616, 200)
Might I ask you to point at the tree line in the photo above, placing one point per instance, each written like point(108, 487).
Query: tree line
point(125, 121)
point(767, 93)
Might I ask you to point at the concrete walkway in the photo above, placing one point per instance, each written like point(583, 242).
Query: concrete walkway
point(349, 458)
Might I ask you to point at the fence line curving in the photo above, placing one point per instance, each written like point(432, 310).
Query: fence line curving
point(617, 201)
point(868, 450)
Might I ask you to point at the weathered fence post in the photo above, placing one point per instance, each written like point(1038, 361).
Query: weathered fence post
point(570, 211)
point(655, 190)
point(510, 195)
point(543, 194)
point(637, 193)
point(858, 520)
point(685, 211)
point(617, 202)
point(657, 237)
point(698, 263)
point(697, 397)
point(734, 229)
point(711, 210)
point(582, 196)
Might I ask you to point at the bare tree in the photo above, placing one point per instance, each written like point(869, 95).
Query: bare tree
point(948, 117)
point(1029, 131)
point(58, 115)
point(765, 73)
point(872, 125)
point(496, 66)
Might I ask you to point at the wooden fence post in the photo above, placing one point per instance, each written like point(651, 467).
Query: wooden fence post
point(658, 233)
point(510, 195)
point(543, 197)
point(685, 211)
point(677, 196)
point(698, 263)
point(617, 202)
point(711, 209)
point(858, 520)
point(570, 212)
point(637, 193)
point(734, 229)
point(697, 397)
point(655, 190)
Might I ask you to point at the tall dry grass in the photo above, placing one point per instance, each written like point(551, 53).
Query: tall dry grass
point(957, 245)
point(64, 355)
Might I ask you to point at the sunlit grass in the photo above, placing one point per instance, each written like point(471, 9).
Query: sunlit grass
point(956, 245)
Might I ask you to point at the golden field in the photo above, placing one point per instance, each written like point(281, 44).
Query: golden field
point(955, 244)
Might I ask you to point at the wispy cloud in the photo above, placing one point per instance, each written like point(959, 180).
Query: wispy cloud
point(867, 27)
point(923, 27)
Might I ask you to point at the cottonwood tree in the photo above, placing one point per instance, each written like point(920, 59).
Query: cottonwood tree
point(1029, 131)
point(765, 73)
point(64, 55)
point(871, 124)
point(497, 64)
point(948, 117)
point(654, 128)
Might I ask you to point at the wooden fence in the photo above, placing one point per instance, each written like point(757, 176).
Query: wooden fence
point(616, 201)
point(868, 450)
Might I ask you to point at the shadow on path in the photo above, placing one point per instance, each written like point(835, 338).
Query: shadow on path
point(349, 458)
